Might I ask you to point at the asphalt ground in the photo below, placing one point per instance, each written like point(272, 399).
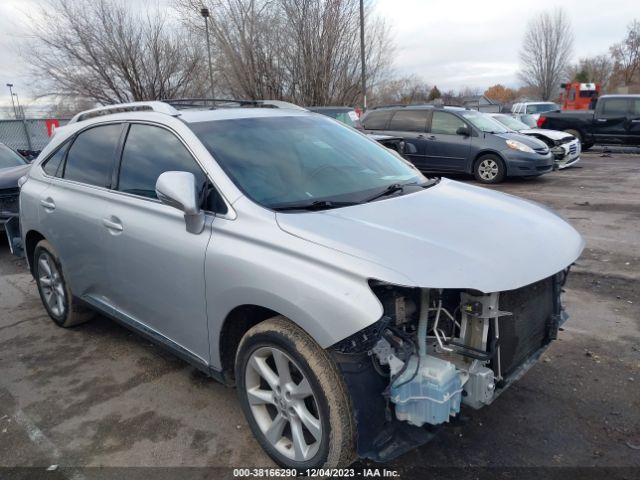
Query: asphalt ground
point(88, 400)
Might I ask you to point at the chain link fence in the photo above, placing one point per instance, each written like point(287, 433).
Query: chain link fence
point(28, 134)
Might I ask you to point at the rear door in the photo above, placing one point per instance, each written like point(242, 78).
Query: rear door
point(610, 120)
point(72, 208)
point(445, 150)
point(411, 126)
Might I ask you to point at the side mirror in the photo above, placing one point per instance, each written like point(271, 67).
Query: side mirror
point(178, 190)
point(466, 131)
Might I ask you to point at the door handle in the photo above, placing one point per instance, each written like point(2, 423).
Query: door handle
point(601, 119)
point(112, 224)
point(48, 204)
point(635, 120)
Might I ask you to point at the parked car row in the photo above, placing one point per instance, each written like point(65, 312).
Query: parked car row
point(301, 261)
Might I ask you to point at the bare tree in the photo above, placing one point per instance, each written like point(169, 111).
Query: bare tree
point(105, 52)
point(626, 55)
point(403, 90)
point(546, 51)
point(304, 51)
point(595, 69)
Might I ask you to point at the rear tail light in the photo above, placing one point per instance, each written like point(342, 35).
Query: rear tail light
point(541, 121)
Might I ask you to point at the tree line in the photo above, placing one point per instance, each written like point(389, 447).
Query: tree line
point(303, 51)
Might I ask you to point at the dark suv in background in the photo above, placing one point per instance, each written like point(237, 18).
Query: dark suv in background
point(458, 140)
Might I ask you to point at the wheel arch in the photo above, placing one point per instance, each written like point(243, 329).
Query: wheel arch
point(484, 152)
point(236, 323)
point(31, 239)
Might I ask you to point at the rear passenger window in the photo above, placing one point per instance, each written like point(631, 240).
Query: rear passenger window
point(90, 158)
point(635, 110)
point(377, 120)
point(445, 123)
point(409, 120)
point(150, 151)
point(53, 166)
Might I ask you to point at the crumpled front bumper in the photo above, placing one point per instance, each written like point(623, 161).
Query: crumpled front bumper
point(567, 154)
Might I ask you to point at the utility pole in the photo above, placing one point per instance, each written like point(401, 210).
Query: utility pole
point(362, 57)
point(20, 110)
point(204, 11)
point(10, 85)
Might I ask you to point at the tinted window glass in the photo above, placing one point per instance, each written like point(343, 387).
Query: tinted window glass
point(615, 106)
point(150, 151)
point(635, 107)
point(409, 120)
point(53, 165)
point(377, 120)
point(90, 158)
point(445, 123)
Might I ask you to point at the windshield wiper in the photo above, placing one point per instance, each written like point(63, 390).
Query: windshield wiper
point(315, 205)
point(397, 187)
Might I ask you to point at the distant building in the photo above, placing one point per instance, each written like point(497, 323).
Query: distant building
point(481, 103)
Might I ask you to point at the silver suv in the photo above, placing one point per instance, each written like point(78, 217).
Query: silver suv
point(354, 303)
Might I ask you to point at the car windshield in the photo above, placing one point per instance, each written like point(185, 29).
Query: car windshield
point(542, 107)
point(510, 122)
point(281, 162)
point(8, 158)
point(484, 122)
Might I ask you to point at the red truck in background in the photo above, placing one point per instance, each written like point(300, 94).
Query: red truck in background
point(579, 96)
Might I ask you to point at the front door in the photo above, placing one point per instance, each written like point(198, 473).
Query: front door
point(159, 266)
point(446, 150)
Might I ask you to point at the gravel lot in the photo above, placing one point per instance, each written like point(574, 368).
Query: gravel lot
point(99, 395)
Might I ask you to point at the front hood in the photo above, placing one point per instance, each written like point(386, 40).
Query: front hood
point(527, 140)
point(9, 176)
point(451, 235)
point(552, 134)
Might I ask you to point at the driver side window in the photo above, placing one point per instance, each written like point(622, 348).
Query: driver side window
point(445, 123)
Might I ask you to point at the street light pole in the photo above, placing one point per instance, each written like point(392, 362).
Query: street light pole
point(10, 85)
point(204, 11)
point(362, 57)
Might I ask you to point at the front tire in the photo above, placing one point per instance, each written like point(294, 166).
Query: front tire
point(54, 291)
point(294, 397)
point(489, 169)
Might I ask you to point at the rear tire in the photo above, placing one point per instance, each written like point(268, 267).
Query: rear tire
point(489, 169)
point(583, 146)
point(54, 291)
point(294, 397)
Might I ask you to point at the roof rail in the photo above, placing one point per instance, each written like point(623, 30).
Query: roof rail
point(159, 107)
point(211, 103)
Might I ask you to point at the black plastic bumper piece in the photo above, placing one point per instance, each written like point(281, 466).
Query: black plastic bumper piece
point(381, 437)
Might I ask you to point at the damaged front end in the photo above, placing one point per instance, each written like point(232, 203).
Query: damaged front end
point(436, 349)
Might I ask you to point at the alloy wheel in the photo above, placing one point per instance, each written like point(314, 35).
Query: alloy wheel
point(488, 169)
point(51, 284)
point(283, 404)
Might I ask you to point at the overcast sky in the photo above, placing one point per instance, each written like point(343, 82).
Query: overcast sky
point(452, 44)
